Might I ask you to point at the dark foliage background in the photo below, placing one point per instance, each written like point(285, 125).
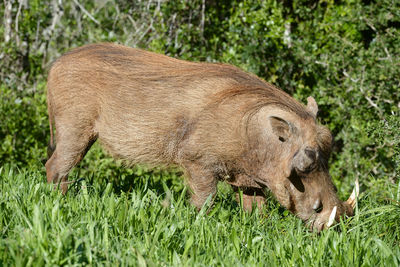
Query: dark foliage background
point(344, 53)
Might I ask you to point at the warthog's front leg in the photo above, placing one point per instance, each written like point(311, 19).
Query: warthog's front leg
point(251, 196)
point(202, 183)
point(252, 191)
point(73, 141)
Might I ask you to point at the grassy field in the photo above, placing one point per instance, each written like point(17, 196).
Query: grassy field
point(143, 218)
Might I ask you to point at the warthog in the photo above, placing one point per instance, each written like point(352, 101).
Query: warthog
point(214, 120)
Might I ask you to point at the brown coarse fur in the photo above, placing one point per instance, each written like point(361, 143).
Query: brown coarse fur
point(214, 120)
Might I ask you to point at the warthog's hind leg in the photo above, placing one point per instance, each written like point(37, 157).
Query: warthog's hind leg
point(72, 145)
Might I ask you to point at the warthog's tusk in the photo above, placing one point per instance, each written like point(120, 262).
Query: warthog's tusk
point(356, 191)
point(331, 217)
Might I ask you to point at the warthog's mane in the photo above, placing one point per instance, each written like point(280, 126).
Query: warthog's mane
point(258, 94)
point(267, 95)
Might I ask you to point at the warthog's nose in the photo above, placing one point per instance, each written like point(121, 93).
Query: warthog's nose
point(311, 153)
point(317, 207)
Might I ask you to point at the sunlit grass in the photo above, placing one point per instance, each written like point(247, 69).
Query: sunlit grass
point(152, 223)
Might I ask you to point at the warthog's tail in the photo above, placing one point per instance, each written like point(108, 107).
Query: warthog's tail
point(52, 146)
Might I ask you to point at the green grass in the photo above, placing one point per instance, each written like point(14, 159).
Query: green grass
point(150, 222)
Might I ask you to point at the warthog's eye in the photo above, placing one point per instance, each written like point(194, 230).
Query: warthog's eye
point(318, 207)
point(311, 153)
point(282, 139)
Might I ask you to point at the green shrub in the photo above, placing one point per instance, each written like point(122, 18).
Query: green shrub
point(23, 127)
point(345, 54)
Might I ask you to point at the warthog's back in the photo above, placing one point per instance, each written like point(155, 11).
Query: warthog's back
point(140, 103)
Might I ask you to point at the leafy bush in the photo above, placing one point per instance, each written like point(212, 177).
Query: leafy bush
point(345, 54)
point(24, 127)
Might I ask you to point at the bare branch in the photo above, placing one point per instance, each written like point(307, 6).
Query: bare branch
point(133, 22)
point(365, 96)
point(16, 22)
point(86, 12)
point(203, 9)
point(287, 39)
point(7, 20)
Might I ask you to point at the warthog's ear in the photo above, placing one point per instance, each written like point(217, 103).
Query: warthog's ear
point(280, 128)
point(312, 106)
point(325, 140)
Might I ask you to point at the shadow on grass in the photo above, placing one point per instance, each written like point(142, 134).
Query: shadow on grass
point(125, 180)
point(99, 171)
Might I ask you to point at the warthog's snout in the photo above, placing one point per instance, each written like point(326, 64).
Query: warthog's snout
point(324, 218)
point(305, 160)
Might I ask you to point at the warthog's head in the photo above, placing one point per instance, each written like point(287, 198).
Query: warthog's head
point(293, 151)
